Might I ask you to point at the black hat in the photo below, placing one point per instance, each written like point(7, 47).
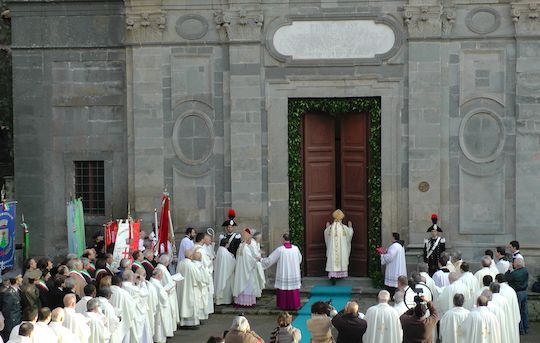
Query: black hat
point(230, 221)
point(434, 219)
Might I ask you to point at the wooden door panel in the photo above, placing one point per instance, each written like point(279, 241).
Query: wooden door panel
point(354, 200)
point(319, 186)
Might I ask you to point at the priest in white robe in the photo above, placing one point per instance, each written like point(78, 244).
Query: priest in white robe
point(510, 295)
point(140, 330)
point(151, 300)
point(256, 244)
point(399, 303)
point(190, 291)
point(164, 326)
point(170, 284)
point(486, 280)
point(74, 321)
point(338, 238)
point(288, 277)
point(99, 333)
point(124, 305)
point(446, 300)
point(112, 321)
point(471, 282)
point(383, 324)
point(493, 263)
point(186, 243)
point(451, 322)
point(63, 334)
point(42, 332)
point(224, 267)
point(246, 283)
point(423, 270)
point(498, 311)
point(201, 242)
point(481, 326)
point(510, 329)
point(89, 293)
point(486, 270)
point(394, 260)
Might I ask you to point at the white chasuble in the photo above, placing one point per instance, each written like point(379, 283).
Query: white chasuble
point(338, 239)
point(481, 326)
point(224, 267)
point(451, 325)
point(383, 325)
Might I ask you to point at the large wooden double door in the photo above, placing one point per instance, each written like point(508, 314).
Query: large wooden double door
point(335, 176)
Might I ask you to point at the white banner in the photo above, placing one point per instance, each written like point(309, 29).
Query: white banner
point(121, 247)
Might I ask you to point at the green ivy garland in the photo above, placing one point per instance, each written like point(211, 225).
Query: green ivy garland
point(297, 108)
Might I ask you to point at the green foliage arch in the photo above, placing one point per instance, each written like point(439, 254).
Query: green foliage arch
point(297, 108)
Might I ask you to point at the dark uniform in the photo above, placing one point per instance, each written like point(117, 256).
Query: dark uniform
point(433, 247)
point(30, 297)
point(235, 242)
point(225, 237)
point(10, 305)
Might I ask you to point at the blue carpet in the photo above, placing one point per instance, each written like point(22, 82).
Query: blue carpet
point(339, 295)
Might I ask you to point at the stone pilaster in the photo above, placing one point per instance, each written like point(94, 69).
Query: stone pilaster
point(247, 138)
point(424, 20)
point(526, 18)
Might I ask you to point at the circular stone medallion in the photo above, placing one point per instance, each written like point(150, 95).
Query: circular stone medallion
point(483, 20)
point(193, 138)
point(191, 26)
point(481, 136)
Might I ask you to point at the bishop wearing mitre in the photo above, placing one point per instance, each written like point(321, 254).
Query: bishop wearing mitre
point(338, 239)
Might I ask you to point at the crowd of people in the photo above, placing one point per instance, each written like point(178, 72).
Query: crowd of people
point(144, 298)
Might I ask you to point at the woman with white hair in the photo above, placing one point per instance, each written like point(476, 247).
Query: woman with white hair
point(240, 332)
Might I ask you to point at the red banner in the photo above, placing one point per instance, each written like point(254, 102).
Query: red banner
point(164, 224)
point(111, 229)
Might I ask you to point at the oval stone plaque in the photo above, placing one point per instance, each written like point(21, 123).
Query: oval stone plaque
point(333, 40)
point(193, 138)
point(481, 136)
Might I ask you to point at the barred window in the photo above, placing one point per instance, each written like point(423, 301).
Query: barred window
point(90, 186)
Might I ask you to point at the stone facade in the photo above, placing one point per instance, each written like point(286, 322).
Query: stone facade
point(192, 96)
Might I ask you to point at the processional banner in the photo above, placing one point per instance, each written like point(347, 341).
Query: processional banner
point(7, 234)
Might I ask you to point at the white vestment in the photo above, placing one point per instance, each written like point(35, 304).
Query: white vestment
point(246, 272)
point(185, 244)
point(206, 261)
point(77, 323)
point(140, 330)
point(451, 325)
point(400, 308)
point(431, 285)
point(152, 303)
point(98, 329)
point(288, 260)
point(503, 317)
point(472, 302)
point(260, 270)
point(483, 272)
point(503, 266)
point(472, 284)
point(80, 307)
point(394, 259)
point(111, 318)
point(451, 268)
point(224, 266)
point(190, 292)
point(338, 239)
point(20, 339)
point(493, 268)
point(383, 325)
point(163, 323)
point(481, 326)
point(63, 334)
point(43, 333)
point(441, 278)
point(124, 306)
point(446, 299)
point(510, 295)
point(511, 330)
point(170, 286)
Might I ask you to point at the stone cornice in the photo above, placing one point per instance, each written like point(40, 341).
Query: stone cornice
point(146, 25)
point(526, 18)
point(423, 20)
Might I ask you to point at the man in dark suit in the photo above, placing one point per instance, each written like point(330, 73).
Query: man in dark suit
point(10, 303)
point(56, 293)
point(349, 326)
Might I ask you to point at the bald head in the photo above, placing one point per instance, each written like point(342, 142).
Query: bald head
point(70, 300)
point(481, 301)
point(453, 276)
point(487, 294)
point(398, 297)
point(486, 261)
point(351, 307)
point(384, 297)
point(57, 315)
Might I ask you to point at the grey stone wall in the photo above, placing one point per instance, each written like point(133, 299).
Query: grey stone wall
point(194, 94)
point(69, 104)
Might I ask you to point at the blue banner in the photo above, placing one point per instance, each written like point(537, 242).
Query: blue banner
point(7, 235)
